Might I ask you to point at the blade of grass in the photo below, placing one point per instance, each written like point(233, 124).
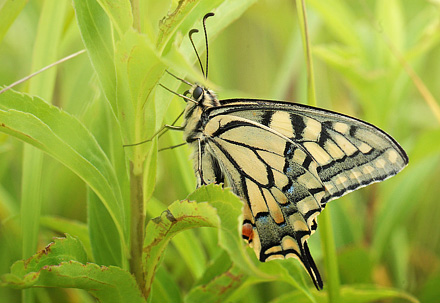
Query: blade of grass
point(330, 259)
point(120, 13)
point(45, 50)
point(42, 70)
point(417, 81)
point(327, 239)
point(95, 24)
point(302, 20)
point(8, 12)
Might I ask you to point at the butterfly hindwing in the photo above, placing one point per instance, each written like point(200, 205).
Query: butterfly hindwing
point(277, 180)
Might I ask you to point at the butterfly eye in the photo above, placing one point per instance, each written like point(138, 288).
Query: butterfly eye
point(198, 91)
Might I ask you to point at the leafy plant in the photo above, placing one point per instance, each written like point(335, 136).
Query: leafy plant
point(138, 247)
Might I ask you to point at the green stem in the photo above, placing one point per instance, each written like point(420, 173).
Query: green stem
point(330, 259)
point(302, 17)
point(326, 230)
point(136, 15)
point(137, 228)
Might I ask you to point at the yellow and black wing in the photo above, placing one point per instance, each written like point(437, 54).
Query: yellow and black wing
point(286, 161)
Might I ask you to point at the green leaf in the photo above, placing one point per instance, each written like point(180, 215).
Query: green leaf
point(95, 29)
point(392, 22)
point(339, 20)
point(8, 12)
point(355, 257)
point(229, 209)
point(289, 271)
point(398, 204)
point(119, 13)
point(165, 288)
point(138, 72)
point(153, 12)
point(180, 216)
point(24, 273)
point(72, 227)
point(351, 294)
point(31, 198)
point(429, 291)
point(330, 258)
point(62, 264)
point(102, 232)
point(217, 288)
point(191, 250)
point(45, 51)
point(66, 139)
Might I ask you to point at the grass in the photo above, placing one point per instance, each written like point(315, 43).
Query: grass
point(375, 60)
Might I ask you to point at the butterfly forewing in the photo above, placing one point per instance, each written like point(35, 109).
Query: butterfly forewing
point(286, 161)
point(349, 153)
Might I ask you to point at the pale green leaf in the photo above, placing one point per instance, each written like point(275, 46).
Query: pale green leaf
point(8, 12)
point(138, 72)
point(75, 228)
point(351, 294)
point(229, 209)
point(227, 279)
point(119, 13)
point(104, 237)
point(154, 11)
point(96, 33)
point(63, 264)
point(339, 20)
point(180, 216)
point(66, 139)
point(165, 288)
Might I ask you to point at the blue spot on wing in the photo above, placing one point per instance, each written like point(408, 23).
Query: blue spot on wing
point(291, 190)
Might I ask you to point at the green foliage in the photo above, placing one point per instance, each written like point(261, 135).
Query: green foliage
point(376, 60)
point(62, 264)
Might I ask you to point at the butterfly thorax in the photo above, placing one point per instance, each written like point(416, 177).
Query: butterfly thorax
point(202, 99)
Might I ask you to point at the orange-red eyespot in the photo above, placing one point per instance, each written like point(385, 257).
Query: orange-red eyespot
point(247, 232)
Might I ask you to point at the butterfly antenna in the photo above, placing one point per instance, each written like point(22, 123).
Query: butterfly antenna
point(191, 32)
point(178, 78)
point(180, 95)
point(206, 40)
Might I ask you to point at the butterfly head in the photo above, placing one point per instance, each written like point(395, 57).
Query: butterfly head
point(203, 96)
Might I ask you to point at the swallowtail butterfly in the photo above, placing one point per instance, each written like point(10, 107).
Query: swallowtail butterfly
point(285, 161)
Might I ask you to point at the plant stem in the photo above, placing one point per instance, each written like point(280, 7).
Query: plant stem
point(137, 227)
point(136, 17)
point(302, 17)
point(330, 260)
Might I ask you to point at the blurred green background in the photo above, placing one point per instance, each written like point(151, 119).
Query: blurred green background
point(377, 60)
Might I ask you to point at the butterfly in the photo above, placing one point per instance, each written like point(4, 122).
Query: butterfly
point(285, 161)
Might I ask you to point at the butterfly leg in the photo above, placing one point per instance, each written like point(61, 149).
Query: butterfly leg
point(172, 147)
point(162, 131)
point(158, 133)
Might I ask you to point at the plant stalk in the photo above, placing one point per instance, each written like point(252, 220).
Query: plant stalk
point(330, 259)
point(136, 15)
point(137, 228)
point(302, 19)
